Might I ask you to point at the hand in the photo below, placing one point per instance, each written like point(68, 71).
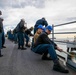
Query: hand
point(59, 49)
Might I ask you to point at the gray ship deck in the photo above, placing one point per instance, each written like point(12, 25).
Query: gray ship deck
point(25, 62)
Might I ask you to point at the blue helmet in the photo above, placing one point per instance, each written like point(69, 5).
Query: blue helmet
point(40, 27)
point(43, 28)
point(49, 28)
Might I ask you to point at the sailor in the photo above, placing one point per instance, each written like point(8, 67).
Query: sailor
point(10, 35)
point(44, 44)
point(15, 36)
point(41, 21)
point(1, 31)
point(20, 34)
point(28, 33)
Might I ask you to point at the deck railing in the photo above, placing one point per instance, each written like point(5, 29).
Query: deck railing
point(73, 43)
point(70, 45)
point(53, 33)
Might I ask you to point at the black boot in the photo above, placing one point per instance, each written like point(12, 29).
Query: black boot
point(19, 47)
point(59, 68)
point(44, 57)
point(3, 46)
point(27, 45)
point(0, 53)
point(23, 48)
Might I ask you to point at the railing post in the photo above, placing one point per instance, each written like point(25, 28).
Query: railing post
point(53, 33)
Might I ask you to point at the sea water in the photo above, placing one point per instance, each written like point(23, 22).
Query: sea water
point(62, 46)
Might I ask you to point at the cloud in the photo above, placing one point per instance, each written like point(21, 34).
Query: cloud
point(60, 10)
point(55, 11)
point(22, 3)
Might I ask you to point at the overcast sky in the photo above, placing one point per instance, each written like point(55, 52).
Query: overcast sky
point(55, 12)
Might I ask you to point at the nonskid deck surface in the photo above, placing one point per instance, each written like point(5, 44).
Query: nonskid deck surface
point(25, 62)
